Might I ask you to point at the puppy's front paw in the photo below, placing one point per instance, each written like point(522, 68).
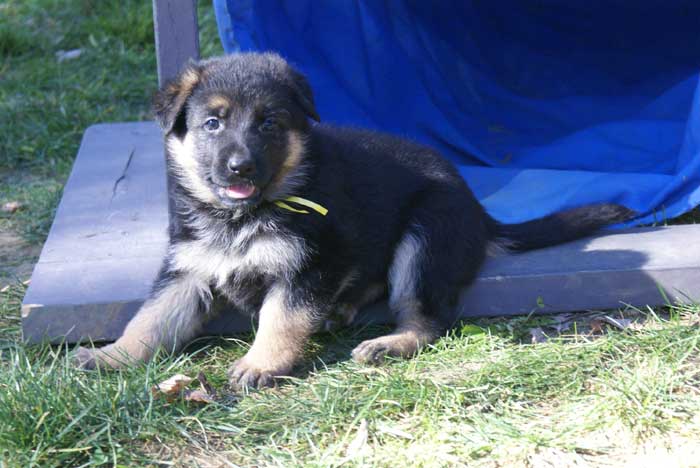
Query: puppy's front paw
point(107, 357)
point(84, 358)
point(244, 374)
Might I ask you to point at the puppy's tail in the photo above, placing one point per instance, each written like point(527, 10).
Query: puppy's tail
point(558, 228)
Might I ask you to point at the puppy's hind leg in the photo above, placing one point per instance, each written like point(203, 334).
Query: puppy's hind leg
point(440, 252)
point(169, 318)
point(414, 328)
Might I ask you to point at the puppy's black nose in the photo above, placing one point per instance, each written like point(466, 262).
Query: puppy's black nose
point(244, 167)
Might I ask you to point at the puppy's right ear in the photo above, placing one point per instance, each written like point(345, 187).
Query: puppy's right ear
point(169, 102)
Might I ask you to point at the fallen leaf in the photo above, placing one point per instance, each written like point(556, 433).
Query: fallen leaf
point(204, 383)
point(171, 387)
point(620, 323)
point(597, 325)
point(11, 207)
point(200, 396)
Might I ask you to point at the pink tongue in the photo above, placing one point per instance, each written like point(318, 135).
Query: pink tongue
point(240, 191)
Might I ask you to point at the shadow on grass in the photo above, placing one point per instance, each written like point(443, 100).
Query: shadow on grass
point(324, 349)
point(545, 277)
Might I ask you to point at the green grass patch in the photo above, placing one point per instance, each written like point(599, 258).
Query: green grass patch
point(469, 399)
point(482, 396)
point(46, 104)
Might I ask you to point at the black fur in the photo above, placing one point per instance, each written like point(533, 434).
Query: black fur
point(560, 227)
point(395, 208)
point(376, 188)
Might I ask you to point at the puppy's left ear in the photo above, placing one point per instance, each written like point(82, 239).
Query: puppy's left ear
point(169, 102)
point(304, 95)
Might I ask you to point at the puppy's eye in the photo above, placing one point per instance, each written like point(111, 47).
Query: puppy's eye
point(270, 124)
point(211, 125)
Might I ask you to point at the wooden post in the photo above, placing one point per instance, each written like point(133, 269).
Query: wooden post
point(177, 35)
point(177, 41)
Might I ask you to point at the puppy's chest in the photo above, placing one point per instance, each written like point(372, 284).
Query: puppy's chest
point(241, 264)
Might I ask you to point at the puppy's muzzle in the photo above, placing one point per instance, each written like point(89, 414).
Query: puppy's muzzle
point(242, 165)
point(236, 175)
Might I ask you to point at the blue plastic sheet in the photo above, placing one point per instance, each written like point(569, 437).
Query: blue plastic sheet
point(542, 105)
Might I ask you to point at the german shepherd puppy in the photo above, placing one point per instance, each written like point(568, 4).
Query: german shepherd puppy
point(293, 221)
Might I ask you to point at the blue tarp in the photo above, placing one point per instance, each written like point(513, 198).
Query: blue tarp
point(542, 105)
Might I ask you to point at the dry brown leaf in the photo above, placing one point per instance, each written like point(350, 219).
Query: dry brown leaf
point(620, 323)
point(11, 207)
point(176, 386)
point(200, 396)
point(172, 386)
point(597, 325)
point(204, 383)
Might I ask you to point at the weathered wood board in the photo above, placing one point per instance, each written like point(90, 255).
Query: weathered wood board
point(109, 235)
point(177, 35)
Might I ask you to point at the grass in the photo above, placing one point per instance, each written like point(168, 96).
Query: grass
point(482, 396)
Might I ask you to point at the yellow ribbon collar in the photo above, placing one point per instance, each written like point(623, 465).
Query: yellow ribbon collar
point(300, 201)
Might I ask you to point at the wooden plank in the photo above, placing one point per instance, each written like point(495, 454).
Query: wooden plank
point(177, 35)
point(640, 266)
point(107, 240)
point(113, 201)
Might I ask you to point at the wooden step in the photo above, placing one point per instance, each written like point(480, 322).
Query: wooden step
point(109, 235)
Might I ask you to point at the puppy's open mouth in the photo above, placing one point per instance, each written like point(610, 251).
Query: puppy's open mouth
point(238, 191)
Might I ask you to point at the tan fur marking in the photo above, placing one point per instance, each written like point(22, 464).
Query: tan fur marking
point(289, 168)
point(169, 319)
point(184, 86)
point(278, 343)
point(188, 80)
point(218, 101)
point(413, 331)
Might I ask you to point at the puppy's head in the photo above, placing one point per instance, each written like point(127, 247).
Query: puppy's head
point(235, 128)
